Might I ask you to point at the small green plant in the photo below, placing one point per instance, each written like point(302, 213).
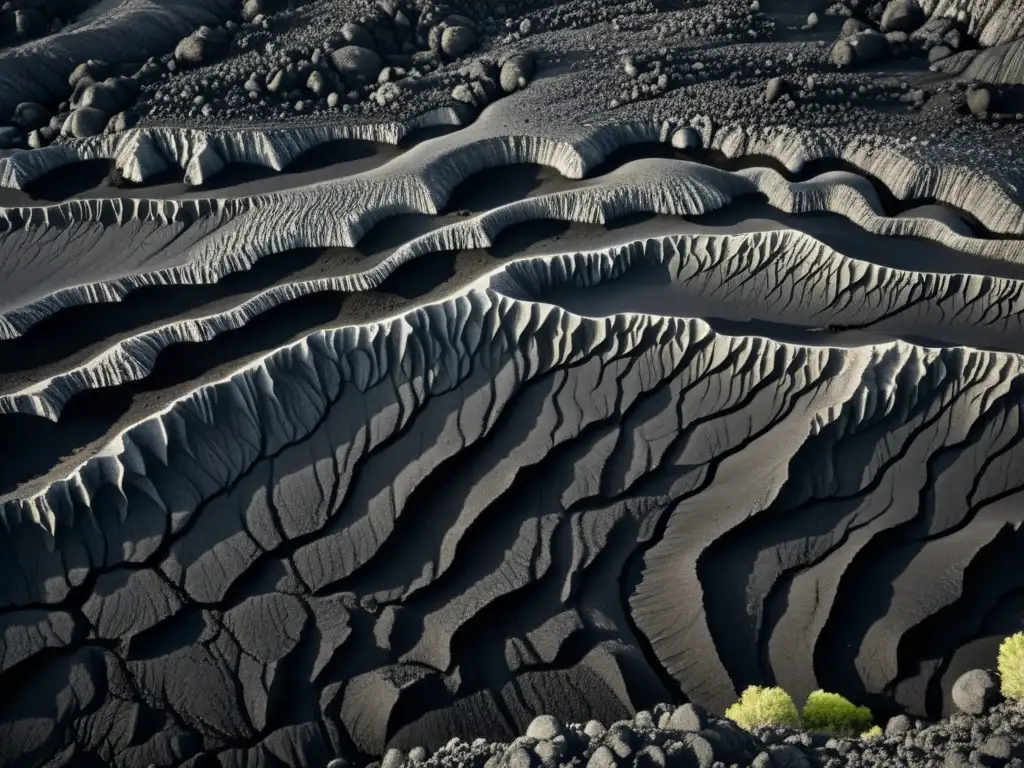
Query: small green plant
point(872, 734)
point(764, 706)
point(1011, 666)
point(835, 715)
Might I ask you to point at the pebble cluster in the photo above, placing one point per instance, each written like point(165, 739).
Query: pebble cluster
point(275, 61)
point(280, 60)
point(986, 731)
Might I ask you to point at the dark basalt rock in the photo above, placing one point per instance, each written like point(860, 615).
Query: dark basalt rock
point(902, 15)
point(204, 46)
point(516, 72)
point(357, 65)
point(456, 41)
point(86, 121)
point(979, 101)
point(976, 691)
point(869, 46)
point(29, 116)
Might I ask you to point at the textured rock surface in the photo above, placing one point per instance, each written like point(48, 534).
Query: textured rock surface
point(999, 64)
point(673, 370)
point(39, 70)
point(252, 514)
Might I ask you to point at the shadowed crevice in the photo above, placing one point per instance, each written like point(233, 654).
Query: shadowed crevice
point(90, 414)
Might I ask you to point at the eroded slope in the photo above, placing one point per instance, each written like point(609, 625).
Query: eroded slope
point(682, 365)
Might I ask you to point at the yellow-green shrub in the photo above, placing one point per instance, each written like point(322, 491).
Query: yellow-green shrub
point(764, 706)
point(872, 733)
point(835, 715)
point(1011, 666)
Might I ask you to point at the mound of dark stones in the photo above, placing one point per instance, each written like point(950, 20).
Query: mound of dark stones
point(900, 30)
point(396, 59)
point(985, 732)
point(266, 67)
point(263, 66)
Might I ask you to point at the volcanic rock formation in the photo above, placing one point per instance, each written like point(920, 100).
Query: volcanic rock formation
point(376, 375)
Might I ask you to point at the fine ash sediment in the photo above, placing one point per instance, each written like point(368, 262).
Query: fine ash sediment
point(580, 358)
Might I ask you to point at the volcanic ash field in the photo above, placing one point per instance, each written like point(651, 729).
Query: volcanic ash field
point(373, 375)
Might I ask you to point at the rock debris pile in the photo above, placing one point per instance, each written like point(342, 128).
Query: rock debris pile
point(274, 61)
point(989, 733)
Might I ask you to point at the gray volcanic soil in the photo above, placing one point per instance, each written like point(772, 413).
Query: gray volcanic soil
point(379, 375)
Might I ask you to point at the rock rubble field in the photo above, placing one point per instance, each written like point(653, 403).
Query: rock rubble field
point(687, 735)
point(511, 384)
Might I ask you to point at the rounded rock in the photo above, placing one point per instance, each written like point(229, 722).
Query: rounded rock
point(283, 81)
point(85, 122)
point(106, 96)
point(788, 755)
point(122, 121)
point(898, 725)
point(189, 51)
point(353, 34)
point(455, 41)
point(902, 16)
point(95, 69)
point(403, 26)
point(843, 54)
point(979, 101)
point(622, 740)
point(869, 46)
point(852, 26)
point(998, 747)
point(644, 719)
point(651, 756)
point(201, 47)
point(479, 69)
point(516, 72)
point(773, 89)
point(594, 729)
point(701, 748)
point(520, 757)
point(317, 83)
point(29, 116)
point(252, 9)
point(689, 718)
point(544, 728)
point(550, 752)
point(687, 138)
point(357, 64)
point(603, 757)
point(393, 758)
point(37, 139)
point(977, 690)
point(464, 94)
